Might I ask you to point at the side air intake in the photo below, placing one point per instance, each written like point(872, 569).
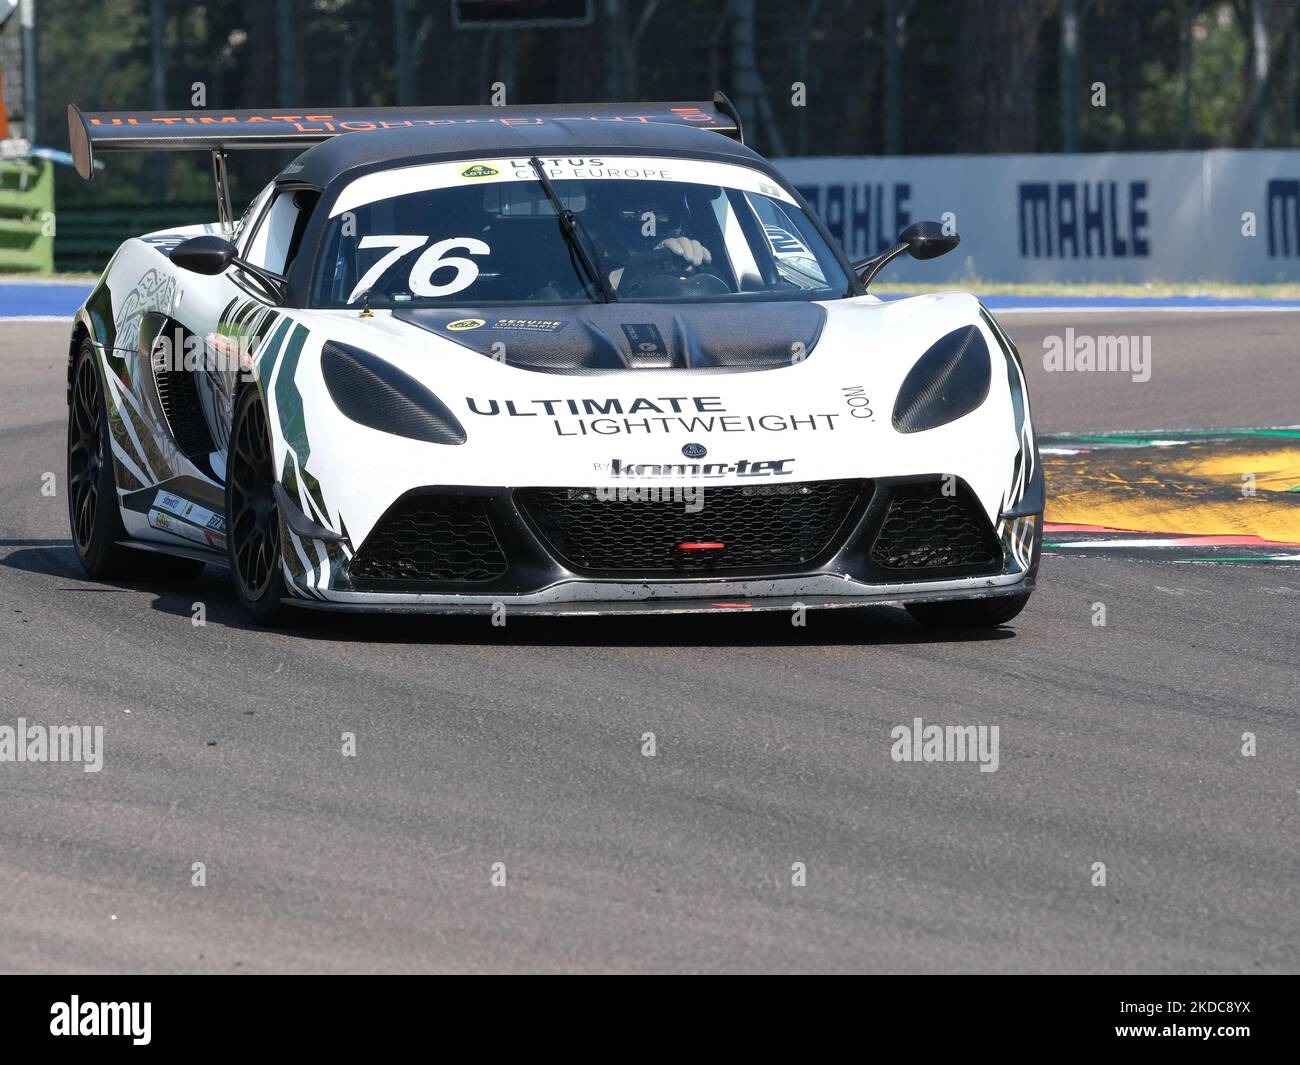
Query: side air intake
point(178, 396)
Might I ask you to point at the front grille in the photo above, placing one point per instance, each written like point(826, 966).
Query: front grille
point(642, 527)
point(431, 538)
point(927, 530)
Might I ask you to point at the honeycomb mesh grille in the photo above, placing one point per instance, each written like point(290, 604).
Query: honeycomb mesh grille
point(927, 530)
point(761, 526)
point(179, 398)
point(431, 538)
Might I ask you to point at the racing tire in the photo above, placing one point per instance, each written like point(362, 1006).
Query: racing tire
point(253, 538)
point(93, 515)
point(969, 613)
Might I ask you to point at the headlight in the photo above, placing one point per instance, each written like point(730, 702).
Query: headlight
point(376, 393)
point(949, 380)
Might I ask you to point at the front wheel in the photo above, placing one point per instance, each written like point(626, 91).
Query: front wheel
point(969, 613)
point(252, 516)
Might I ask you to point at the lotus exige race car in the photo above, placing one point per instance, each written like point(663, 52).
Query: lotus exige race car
point(565, 359)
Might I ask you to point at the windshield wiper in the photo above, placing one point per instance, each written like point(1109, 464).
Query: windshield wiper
point(575, 236)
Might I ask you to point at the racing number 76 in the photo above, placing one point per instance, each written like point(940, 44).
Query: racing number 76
point(429, 262)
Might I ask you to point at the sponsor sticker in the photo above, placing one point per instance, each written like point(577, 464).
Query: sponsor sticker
point(742, 468)
point(167, 523)
point(639, 415)
point(167, 501)
point(461, 324)
point(645, 340)
point(190, 512)
point(528, 325)
point(428, 176)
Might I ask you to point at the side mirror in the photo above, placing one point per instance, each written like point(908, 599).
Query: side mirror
point(927, 240)
point(204, 255)
point(213, 255)
point(921, 240)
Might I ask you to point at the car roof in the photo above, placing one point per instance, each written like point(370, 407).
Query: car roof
point(323, 163)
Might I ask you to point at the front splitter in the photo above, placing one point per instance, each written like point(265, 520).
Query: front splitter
point(675, 605)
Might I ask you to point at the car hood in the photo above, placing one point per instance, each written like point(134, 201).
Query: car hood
point(830, 410)
point(591, 338)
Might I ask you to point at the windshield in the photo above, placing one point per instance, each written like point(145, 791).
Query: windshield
point(664, 230)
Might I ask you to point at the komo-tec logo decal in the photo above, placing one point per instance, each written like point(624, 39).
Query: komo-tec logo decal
point(743, 468)
point(466, 323)
point(479, 170)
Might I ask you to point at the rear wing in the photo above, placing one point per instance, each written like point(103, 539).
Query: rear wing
point(220, 132)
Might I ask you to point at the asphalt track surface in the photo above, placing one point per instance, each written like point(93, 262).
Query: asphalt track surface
point(1118, 744)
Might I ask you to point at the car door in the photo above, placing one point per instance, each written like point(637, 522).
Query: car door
point(248, 312)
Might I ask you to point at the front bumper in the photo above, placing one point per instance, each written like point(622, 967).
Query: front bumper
point(538, 580)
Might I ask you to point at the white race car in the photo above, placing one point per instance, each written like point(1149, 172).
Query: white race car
point(557, 359)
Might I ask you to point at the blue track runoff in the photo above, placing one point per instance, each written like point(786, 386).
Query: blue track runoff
point(54, 299)
point(60, 299)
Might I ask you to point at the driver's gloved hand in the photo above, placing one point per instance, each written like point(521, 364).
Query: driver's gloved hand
point(692, 251)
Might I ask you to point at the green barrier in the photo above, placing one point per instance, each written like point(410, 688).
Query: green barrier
point(27, 222)
point(89, 234)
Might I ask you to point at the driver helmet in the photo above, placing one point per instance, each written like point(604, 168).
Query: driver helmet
point(643, 215)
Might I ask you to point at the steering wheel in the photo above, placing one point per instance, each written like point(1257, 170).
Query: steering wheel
point(663, 273)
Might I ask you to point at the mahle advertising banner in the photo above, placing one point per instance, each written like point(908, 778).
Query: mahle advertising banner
point(1133, 217)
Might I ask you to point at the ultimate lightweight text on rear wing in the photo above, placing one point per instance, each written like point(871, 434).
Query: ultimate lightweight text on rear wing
point(219, 132)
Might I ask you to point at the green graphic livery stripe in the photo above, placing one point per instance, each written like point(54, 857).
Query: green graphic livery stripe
point(288, 401)
point(289, 409)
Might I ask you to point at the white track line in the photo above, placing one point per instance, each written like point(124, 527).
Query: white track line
point(1119, 309)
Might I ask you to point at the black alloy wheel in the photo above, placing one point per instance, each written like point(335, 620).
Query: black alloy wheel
point(98, 535)
point(253, 518)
